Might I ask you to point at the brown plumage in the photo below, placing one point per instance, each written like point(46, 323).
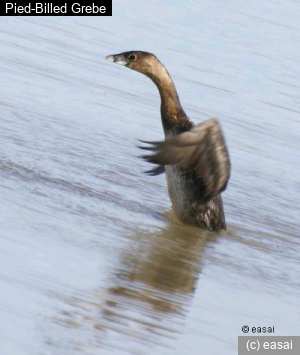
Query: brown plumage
point(195, 157)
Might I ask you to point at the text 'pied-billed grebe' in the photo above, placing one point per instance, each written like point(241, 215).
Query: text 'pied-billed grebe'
point(194, 157)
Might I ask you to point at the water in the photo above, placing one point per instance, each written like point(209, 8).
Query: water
point(89, 262)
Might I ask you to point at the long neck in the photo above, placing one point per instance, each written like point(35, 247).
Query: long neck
point(168, 93)
point(172, 113)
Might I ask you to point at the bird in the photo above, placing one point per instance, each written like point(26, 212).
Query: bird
point(194, 157)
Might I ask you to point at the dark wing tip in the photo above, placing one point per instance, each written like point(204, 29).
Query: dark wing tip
point(154, 146)
point(148, 142)
point(156, 171)
point(148, 158)
point(147, 148)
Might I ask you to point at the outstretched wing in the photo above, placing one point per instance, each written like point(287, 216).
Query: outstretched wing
point(202, 149)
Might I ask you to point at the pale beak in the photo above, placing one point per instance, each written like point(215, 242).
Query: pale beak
point(117, 58)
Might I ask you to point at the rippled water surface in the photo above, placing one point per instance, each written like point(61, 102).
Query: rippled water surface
point(89, 262)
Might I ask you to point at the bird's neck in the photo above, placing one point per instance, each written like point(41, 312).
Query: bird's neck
point(173, 116)
point(170, 102)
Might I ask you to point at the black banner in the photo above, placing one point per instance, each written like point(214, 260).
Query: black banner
point(84, 8)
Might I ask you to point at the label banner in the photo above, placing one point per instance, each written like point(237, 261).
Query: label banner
point(56, 8)
point(272, 345)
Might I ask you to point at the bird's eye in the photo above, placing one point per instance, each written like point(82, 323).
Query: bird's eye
point(132, 57)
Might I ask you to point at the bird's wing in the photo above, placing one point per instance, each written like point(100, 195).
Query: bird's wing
point(202, 149)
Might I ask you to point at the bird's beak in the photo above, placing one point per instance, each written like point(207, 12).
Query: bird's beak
point(117, 58)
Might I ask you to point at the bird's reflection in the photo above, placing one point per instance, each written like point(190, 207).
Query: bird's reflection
point(152, 287)
point(164, 265)
point(149, 290)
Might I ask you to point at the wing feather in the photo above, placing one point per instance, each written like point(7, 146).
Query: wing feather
point(202, 149)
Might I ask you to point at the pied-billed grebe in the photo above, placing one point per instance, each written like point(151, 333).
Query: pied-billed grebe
point(194, 157)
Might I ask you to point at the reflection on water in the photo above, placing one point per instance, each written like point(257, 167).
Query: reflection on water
point(149, 290)
point(89, 265)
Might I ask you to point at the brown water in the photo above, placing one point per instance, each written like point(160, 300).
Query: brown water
point(89, 262)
